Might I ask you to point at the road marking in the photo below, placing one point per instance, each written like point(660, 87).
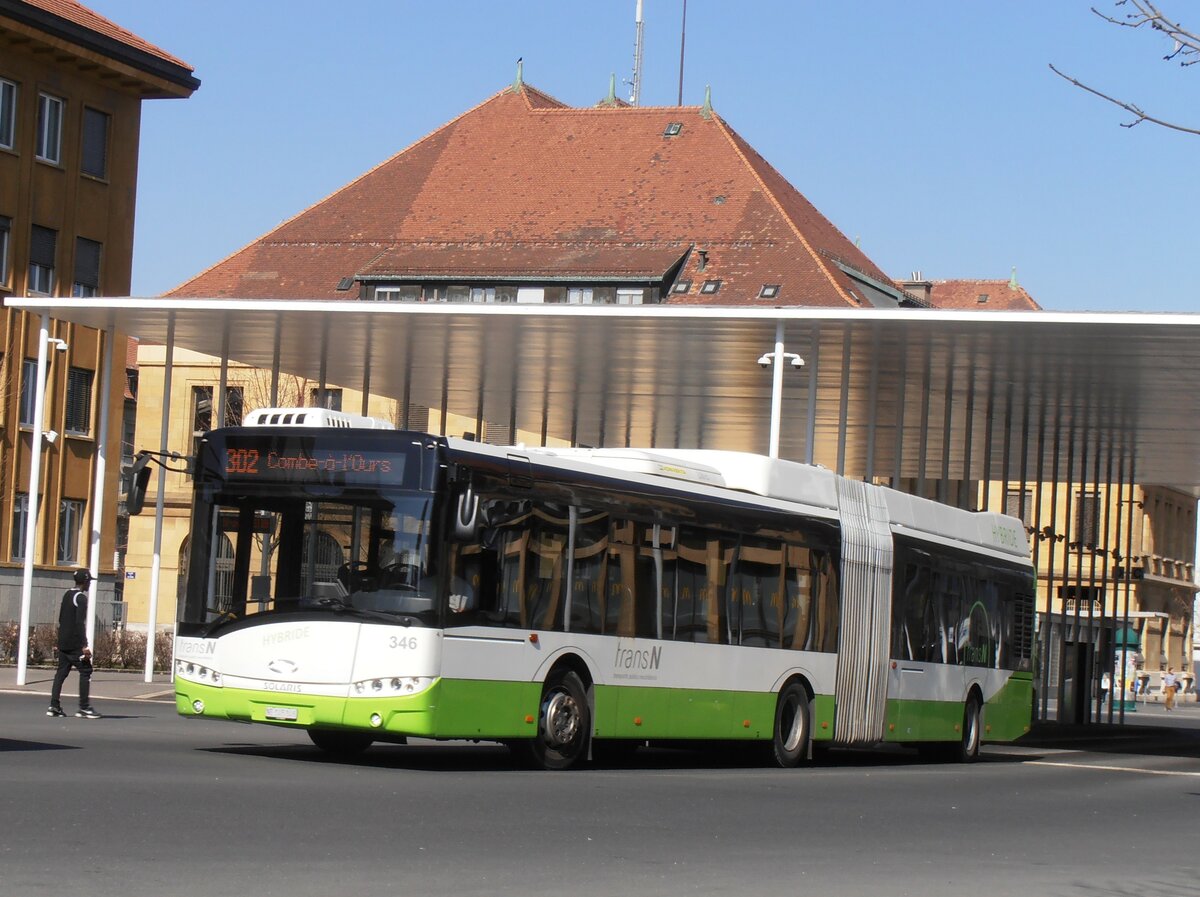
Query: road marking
point(151, 695)
point(1149, 772)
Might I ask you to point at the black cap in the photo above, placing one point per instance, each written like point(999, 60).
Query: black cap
point(82, 577)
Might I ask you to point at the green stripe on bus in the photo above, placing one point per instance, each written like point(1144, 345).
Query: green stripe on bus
point(1005, 717)
point(464, 708)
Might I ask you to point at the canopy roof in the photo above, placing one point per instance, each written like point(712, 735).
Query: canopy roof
point(1007, 395)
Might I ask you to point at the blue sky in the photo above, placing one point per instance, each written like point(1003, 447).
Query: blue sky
point(932, 132)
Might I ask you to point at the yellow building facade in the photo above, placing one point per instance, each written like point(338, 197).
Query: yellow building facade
point(71, 89)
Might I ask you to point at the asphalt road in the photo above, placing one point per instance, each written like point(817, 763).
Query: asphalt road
point(145, 803)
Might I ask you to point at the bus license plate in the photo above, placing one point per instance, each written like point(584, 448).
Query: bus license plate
point(289, 714)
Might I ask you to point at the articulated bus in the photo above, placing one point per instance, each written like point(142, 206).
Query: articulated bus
point(369, 584)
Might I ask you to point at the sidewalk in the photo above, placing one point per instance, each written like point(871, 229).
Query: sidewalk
point(107, 685)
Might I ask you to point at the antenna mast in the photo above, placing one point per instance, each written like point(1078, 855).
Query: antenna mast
point(635, 86)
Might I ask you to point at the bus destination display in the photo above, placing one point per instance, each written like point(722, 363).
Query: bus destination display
point(293, 461)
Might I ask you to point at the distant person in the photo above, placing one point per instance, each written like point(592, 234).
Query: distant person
point(73, 650)
point(1170, 682)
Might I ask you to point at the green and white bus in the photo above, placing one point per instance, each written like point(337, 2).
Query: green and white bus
point(369, 584)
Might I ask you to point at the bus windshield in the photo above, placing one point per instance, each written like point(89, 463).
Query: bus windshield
point(367, 554)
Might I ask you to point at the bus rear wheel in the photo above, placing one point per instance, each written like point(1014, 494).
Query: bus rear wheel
point(340, 744)
point(793, 722)
point(564, 722)
point(972, 732)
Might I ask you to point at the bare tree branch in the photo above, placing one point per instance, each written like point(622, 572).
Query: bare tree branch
point(1187, 43)
point(1140, 116)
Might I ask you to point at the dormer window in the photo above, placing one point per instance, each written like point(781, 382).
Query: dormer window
point(768, 291)
point(981, 298)
point(673, 129)
point(710, 287)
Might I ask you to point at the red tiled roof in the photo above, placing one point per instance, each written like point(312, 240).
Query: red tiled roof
point(984, 295)
point(80, 15)
point(523, 180)
point(508, 262)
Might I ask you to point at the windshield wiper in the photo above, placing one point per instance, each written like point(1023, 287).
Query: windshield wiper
point(337, 605)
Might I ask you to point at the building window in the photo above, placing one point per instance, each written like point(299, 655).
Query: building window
point(1019, 503)
point(49, 128)
point(20, 524)
point(87, 267)
point(333, 399)
point(42, 247)
point(95, 143)
point(630, 296)
point(768, 291)
point(710, 286)
point(202, 410)
point(8, 114)
point(681, 286)
point(483, 294)
point(70, 525)
point(5, 242)
point(402, 293)
point(1087, 519)
point(79, 401)
point(579, 295)
point(28, 391)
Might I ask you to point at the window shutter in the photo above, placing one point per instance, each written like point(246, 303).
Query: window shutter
point(87, 262)
point(79, 400)
point(42, 246)
point(95, 143)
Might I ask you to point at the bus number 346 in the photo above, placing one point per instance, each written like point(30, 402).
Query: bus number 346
point(404, 643)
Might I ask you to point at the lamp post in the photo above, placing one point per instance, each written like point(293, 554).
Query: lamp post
point(776, 359)
point(32, 503)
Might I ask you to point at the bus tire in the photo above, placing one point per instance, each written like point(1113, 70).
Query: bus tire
point(564, 722)
point(339, 743)
point(793, 727)
point(972, 731)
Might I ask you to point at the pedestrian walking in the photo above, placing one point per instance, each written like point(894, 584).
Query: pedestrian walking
point(73, 650)
point(1170, 681)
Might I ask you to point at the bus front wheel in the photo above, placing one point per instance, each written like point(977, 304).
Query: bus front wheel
point(793, 721)
point(564, 722)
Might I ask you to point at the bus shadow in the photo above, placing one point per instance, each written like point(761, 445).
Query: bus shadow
point(492, 757)
point(17, 745)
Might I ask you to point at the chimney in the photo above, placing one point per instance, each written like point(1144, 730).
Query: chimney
point(918, 286)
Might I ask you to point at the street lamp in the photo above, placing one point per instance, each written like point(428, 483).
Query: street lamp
point(776, 359)
point(33, 504)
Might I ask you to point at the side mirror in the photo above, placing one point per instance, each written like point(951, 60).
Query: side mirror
point(466, 516)
point(139, 479)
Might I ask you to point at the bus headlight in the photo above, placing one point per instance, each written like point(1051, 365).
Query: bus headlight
point(376, 720)
point(395, 685)
point(198, 706)
point(196, 672)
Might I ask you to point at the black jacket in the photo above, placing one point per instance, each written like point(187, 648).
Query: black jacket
point(72, 622)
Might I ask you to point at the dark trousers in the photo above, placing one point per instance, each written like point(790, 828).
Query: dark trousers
point(84, 665)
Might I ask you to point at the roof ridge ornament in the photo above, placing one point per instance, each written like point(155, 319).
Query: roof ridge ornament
point(519, 81)
point(706, 110)
point(1012, 281)
point(611, 99)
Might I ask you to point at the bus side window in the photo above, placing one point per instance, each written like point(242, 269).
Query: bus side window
point(701, 576)
point(588, 571)
point(533, 567)
point(757, 591)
